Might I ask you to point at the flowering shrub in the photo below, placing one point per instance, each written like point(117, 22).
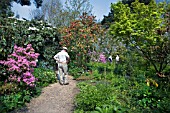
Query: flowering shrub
point(97, 57)
point(43, 37)
point(102, 58)
point(20, 65)
point(80, 37)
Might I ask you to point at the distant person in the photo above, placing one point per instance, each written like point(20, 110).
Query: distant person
point(117, 69)
point(117, 58)
point(62, 58)
point(110, 58)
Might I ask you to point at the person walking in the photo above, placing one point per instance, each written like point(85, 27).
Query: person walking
point(62, 58)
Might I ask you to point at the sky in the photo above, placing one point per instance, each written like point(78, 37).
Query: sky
point(100, 8)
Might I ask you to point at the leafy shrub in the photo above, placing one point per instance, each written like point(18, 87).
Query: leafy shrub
point(101, 67)
point(123, 94)
point(150, 99)
point(10, 102)
point(42, 36)
point(74, 70)
point(108, 109)
point(13, 97)
point(8, 88)
point(98, 95)
point(44, 76)
point(15, 100)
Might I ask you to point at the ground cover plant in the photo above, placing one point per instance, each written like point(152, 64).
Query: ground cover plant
point(119, 93)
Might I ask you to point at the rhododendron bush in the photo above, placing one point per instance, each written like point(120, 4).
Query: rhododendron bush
point(41, 35)
point(20, 65)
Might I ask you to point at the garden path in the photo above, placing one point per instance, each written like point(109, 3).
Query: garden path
point(55, 98)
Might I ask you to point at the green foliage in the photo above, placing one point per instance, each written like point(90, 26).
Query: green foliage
point(89, 97)
point(100, 66)
point(5, 8)
point(44, 76)
point(10, 102)
point(149, 99)
point(8, 88)
point(15, 100)
point(13, 97)
point(97, 94)
point(74, 70)
point(123, 94)
point(101, 71)
point(143, 27)
point(108, 109)
point(108, 20)
point(43, 37)
point(131, 64)
point(129, 2)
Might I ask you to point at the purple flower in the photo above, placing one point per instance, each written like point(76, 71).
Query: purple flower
point(14, 68)
point(33, 63)
point(20, 64)
point(19, 79)
point(102, 58)
point(14, 54)
point(29, 45)
point(28, 78)
point(15, 47)
point(2, 61)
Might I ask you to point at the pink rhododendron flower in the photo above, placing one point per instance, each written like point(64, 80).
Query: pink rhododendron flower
point(2, 61)
point(19, 79)
point(33, 63)
point(21, 65)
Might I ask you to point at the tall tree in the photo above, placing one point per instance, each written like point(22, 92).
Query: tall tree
point(5, 7)
point(52, 10)
point(144, 28)
point(77, 8)
point(129, 2)
point(59, 14)
point(107, 20)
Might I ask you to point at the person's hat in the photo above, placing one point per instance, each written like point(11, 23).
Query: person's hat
point(65, 48)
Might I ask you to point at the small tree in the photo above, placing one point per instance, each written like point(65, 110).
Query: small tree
point(81, 36)
point(138, 27)
point(77, 7)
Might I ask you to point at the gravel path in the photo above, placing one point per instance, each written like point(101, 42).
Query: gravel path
point(55, 98)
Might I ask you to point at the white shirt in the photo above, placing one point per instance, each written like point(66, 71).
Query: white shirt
point(117, 58)
point(61, 57)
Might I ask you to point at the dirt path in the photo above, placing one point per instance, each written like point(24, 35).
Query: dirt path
point(55, 98)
